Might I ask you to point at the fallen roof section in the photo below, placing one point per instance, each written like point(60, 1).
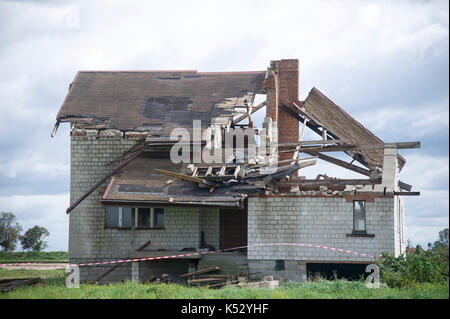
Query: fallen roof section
point(138, 183)
point(324, 112)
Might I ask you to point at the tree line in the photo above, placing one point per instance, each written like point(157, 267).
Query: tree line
point(10, 234)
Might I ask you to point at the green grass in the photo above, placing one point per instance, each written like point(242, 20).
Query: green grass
point(33, 256)
point(54, 287)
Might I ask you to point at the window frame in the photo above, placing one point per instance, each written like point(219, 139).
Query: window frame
point(354, 230)
point(152, 217)
point(134, 218)
point(120, 217)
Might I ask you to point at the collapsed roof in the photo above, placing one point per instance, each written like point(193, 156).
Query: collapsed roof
point(157, 101)
point(341, 125)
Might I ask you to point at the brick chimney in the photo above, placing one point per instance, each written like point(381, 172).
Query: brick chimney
point(282, 85)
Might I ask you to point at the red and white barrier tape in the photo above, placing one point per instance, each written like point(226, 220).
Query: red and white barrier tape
point(199, 253)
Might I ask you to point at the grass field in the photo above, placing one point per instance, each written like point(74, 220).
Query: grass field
point(53, 286)
point(31, 256)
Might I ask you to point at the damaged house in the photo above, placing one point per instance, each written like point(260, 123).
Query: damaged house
point(129, 199)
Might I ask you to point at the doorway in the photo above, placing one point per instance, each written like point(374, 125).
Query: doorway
point(233, 228)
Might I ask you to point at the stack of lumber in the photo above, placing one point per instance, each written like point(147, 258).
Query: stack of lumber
point(14, 283)
point(203, 277)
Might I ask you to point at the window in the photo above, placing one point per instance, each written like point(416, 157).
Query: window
point(118, 216)
point(112, 216)
point(144, 217)
point(359, 216)
point(149, 217)
point(158, 220)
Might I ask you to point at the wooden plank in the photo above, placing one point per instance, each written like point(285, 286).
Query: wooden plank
point(202, 280)
point(404, 186)
point(341, 163)
point(219, 276)
point(318, 142)
point(285, 161)
point(104, 179)
point(327, 182)
point(256, 108)
point(14, 283)
point(220, 284)
point(110, 270)
point(407, 193)
point(236, 171)
point(144, 245)
point(181, 176)
point(354, 147)
point(201, 271)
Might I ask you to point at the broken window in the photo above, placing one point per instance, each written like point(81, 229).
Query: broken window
point(359, 216)
point(143, 217)
point(149, 217)
point(118, 216)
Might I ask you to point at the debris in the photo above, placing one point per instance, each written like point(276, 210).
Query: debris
point(267, 283)
point(144, 245)
point(14, 283)
point(201, 271)
point(110, 270)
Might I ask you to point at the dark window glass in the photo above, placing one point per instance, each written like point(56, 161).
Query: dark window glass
point(112, 216)
point(143, 218)
point(159, 217)
point(126, 216)
point(359, 215)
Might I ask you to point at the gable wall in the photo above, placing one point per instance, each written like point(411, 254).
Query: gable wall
point(90, 241)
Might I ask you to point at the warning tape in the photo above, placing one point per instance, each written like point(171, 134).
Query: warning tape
point(199, 253)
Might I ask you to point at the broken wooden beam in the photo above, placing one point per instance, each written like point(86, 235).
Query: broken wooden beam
point(404, 186)
point(407, 193)
point(144, 245)
point(328, 182)
point(340, 163)
point(110, 270)
point(104, 179)
point(181, 176)
point(354, 147)
point(204, 280)
point(220, 284)
point(14, 283)
point(254, 109)
point(201, 271)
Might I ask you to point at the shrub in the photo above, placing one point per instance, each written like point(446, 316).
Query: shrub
point(415, 266)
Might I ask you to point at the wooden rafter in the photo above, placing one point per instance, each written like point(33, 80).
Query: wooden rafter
point(254, 109)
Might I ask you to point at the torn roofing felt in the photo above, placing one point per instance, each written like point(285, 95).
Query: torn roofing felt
point(138, 183)
point(343, 125)
point(156, 101)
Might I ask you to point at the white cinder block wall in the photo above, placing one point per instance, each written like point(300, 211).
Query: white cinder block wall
point(321, 221)
point(90, 241)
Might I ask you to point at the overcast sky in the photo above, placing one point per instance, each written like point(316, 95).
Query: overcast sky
point(385, 62)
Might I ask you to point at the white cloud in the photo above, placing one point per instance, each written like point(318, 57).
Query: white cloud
point(426, 120)
point(43, 210)
point(426, 172)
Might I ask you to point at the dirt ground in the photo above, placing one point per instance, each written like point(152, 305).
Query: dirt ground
point(40, 266)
